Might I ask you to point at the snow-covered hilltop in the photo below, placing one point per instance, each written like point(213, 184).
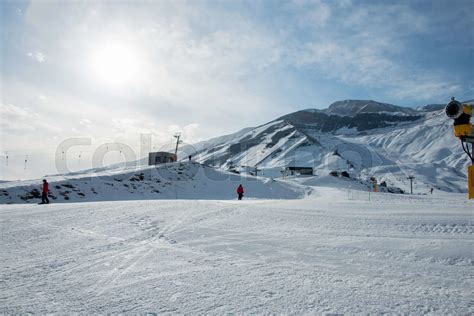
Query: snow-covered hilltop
point(364, 138)
point(185, 180)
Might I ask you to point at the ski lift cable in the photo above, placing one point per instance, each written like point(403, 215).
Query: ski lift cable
point(21, 153)
point(12, 155)
point(37, 151)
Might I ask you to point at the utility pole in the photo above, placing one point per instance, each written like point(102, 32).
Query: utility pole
point(178, 141)
point(411, 177)
point(257, 170)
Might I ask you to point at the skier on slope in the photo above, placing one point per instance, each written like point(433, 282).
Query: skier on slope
point(240, 191)
point(44, 194)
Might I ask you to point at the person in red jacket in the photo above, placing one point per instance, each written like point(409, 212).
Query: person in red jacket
point(240, 191)
point(44, 194)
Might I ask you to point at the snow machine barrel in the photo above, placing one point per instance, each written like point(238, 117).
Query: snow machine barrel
point(454, 109)
point(461, 114)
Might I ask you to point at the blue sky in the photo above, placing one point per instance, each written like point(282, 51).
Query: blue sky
point(112, 70)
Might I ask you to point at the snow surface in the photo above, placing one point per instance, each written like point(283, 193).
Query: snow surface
point(331, 252)
point(184, 180)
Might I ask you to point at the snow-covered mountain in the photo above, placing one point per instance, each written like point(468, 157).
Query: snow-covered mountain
point(358, 138)
point(364, 138)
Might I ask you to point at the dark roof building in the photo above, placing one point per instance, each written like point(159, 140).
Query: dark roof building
point(299, 171)
point(159, 157)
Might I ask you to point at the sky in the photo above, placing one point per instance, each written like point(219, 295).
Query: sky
point(107, 72)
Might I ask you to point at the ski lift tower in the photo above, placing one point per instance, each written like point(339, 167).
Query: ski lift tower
point(256, 170)
point(411, 178)
point(178, 141)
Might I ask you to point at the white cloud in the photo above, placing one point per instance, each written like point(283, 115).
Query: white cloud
point(85, 122)
point(426, 90)
point(316, 12)
point(201, 47)
point(184, 67)
point(22, 121)
point(370, 67)
point(38, 56)
point(365, 46)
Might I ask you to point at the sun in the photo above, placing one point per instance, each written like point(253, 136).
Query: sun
point(116, 64)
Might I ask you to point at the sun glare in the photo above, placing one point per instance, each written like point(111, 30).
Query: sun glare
point(116, 64)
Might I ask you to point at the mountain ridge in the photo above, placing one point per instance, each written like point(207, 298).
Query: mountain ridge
point(352, 107)
point(374, 138)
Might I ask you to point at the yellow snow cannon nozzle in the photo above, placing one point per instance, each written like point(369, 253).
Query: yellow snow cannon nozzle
point(461, 114)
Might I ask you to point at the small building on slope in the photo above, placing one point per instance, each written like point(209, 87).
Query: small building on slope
point(159, 157)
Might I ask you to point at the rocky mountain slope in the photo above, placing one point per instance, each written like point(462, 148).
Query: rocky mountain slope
point(364, 138)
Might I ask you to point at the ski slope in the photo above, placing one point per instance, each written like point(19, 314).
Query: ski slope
point(183, 180)
point(331, 252)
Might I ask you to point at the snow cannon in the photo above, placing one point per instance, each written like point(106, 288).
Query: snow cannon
point(461, 114)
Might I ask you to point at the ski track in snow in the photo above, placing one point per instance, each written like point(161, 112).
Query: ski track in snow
point(322, 254)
